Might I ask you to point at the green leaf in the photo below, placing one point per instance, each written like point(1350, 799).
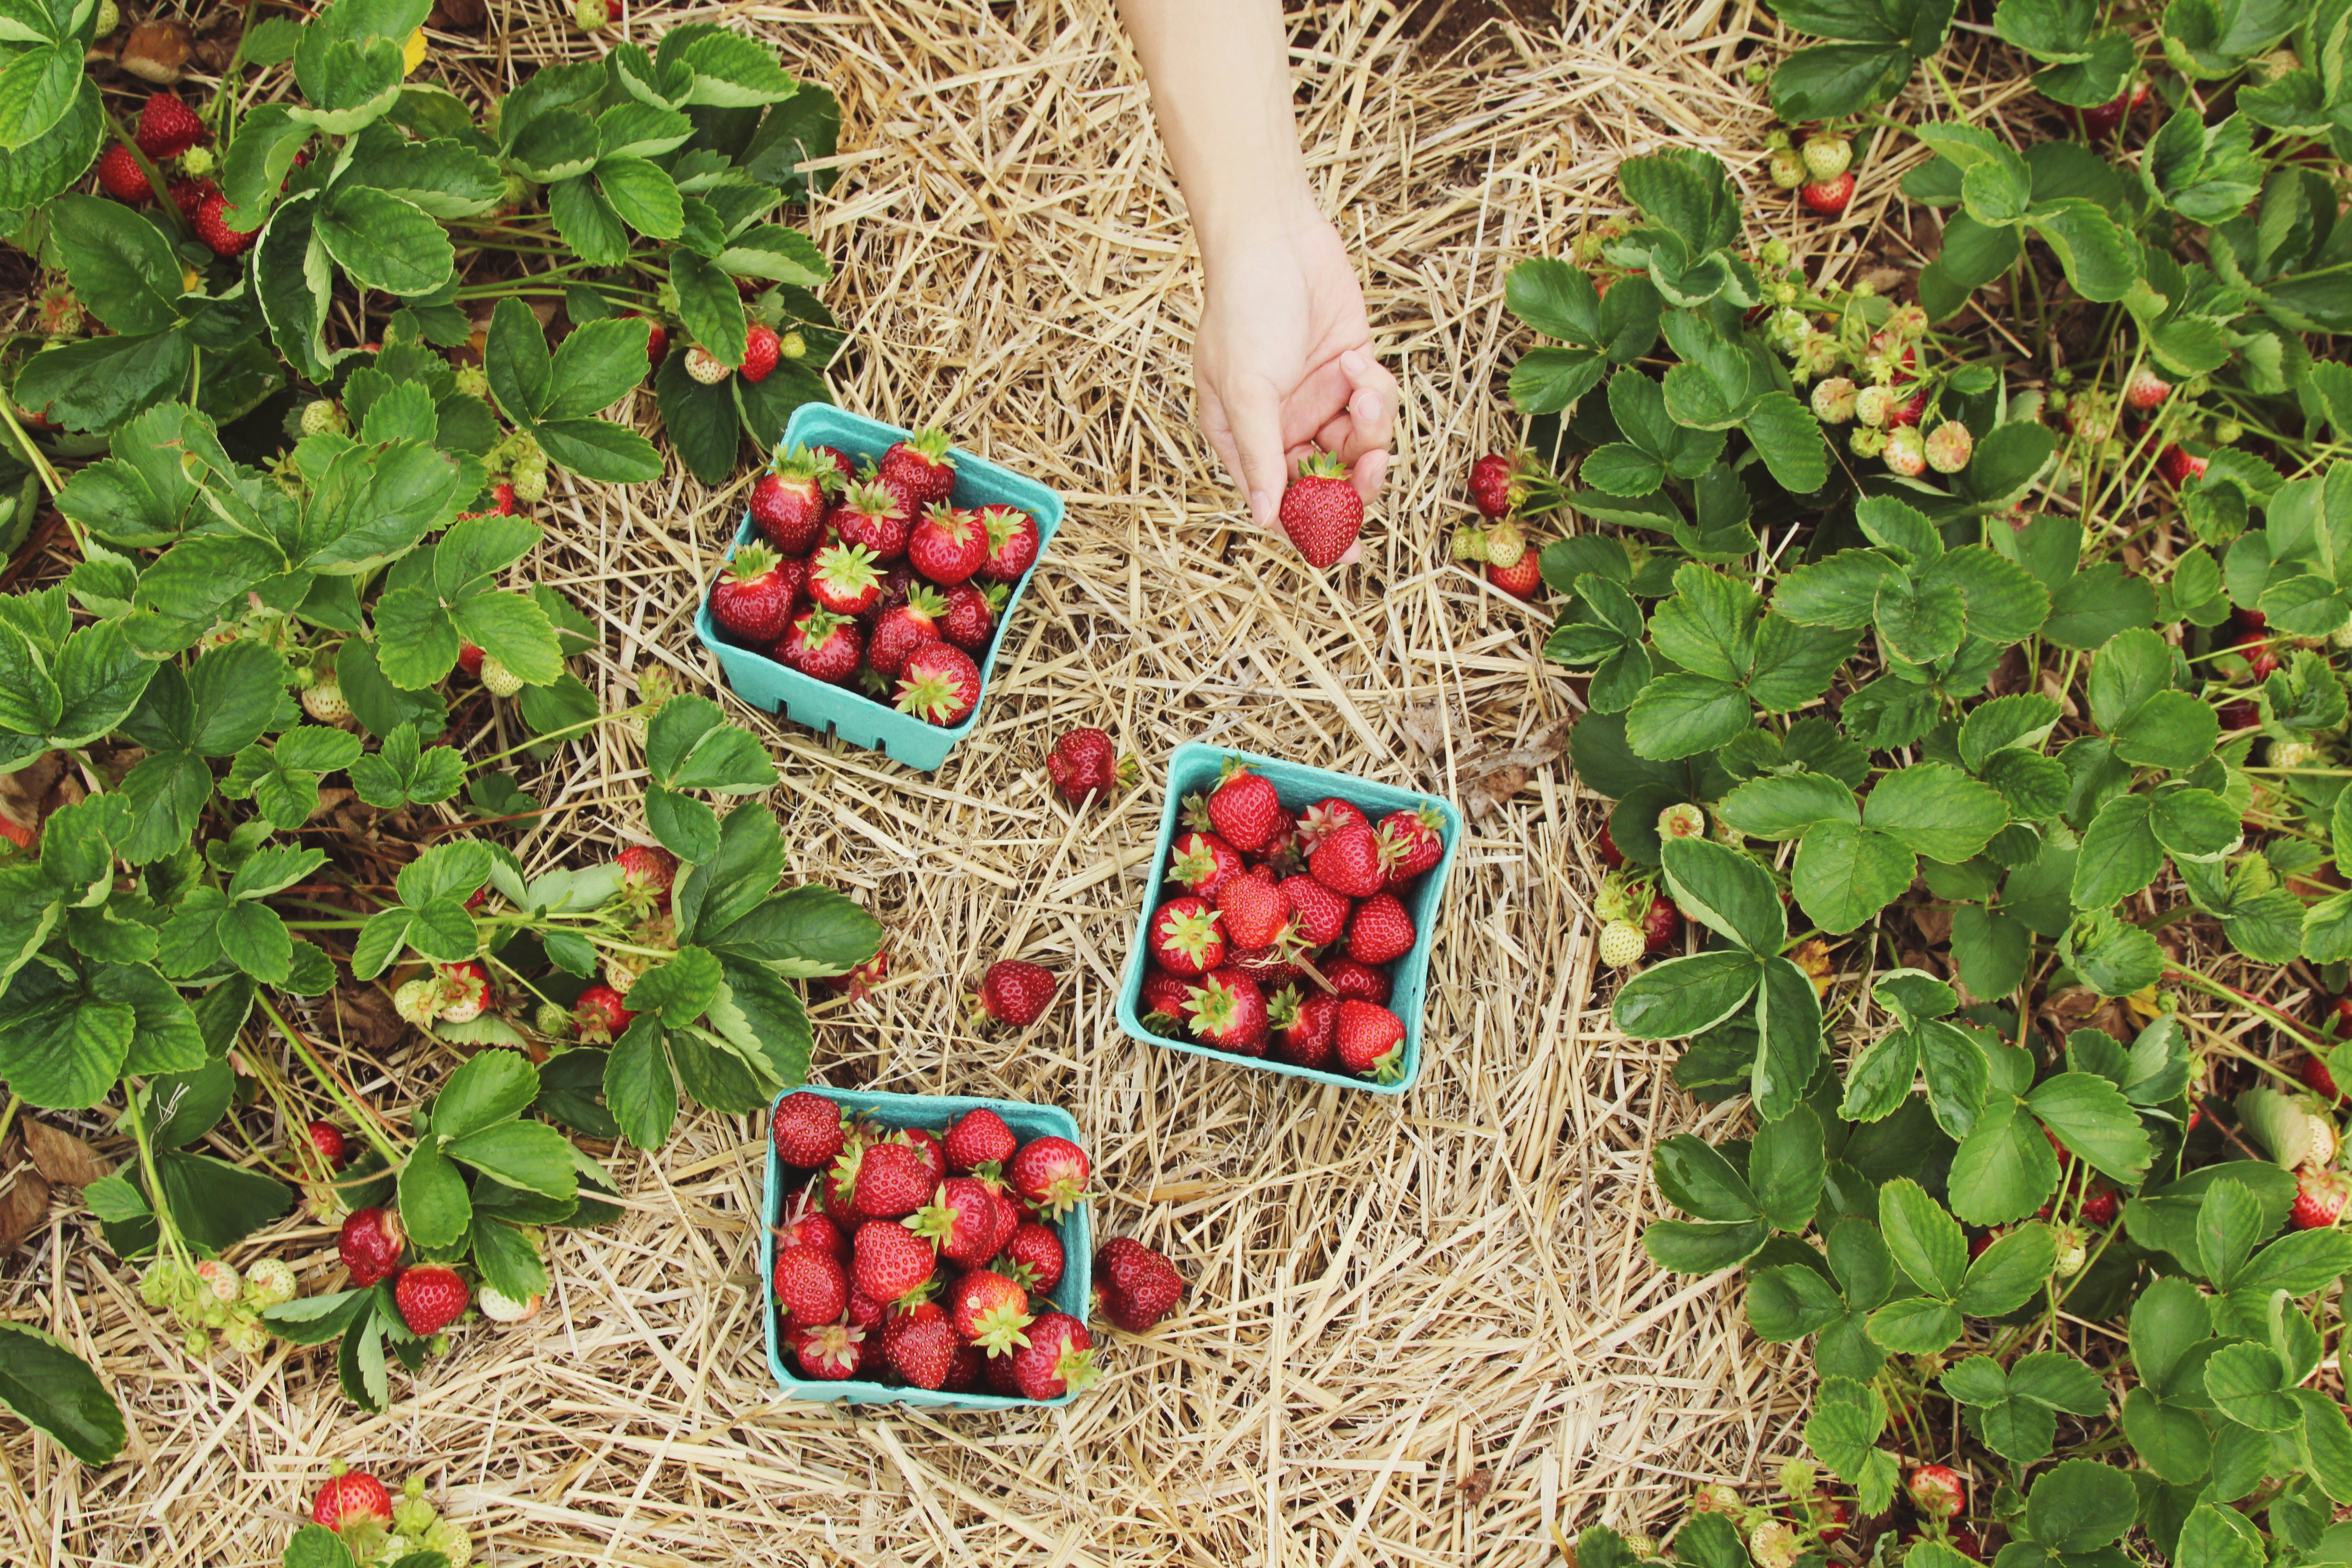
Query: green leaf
point(1786, 1166)
point(54, 1391)
point(595, 367)
point(1843, 874)
point(2111, 957)
point(117, 262)
point(2080, 1506)
point(1681, 1248)
point(1925, 1242)
point(708, 306)
point(1789, 1046)
point(1727, 891)
point(2249, 1386)
point(1682, 715)
point(639, 1089)
point(532, 1155)
point(1682, 996)
point(1781, 806)
point(433, 1201)
point(2096, 603)
point(2005, 1169)
point(1694, 1178)
point(1936, 811)
point(490, 1087)
point(2010, 1273)
point(385, 242)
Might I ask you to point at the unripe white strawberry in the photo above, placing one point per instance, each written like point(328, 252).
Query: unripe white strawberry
point(1773, 1544)
point(591, 15)
point(791, 345)
point(320, 415)
point(1828, 156)
point(2293, 753)
point(501, 1308)
point(622, 970)
point(465, 992)
point(1788, 170)
point(552, 1021)
point(1816, 354)
point(2324, 1143)
point(1867, 441)
point(1622, 945)
point(2340, 639)
point(1950, 446)
point(418, 1001)
point(1681, 820)
point(1907, 451)
point(1505, 545)
point(1470, 544)
point(497, 680)
point(1873, 404)
point(2073, 1252)
point(269, 1283)
point(110, 17)
point(323, 700)
point(707, 367)
point(2146, 390)
point(1834, 400)
point(531, 482)
point(218, 1280)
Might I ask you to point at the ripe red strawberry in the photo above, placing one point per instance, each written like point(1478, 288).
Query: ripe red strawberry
point(1268, 968)
point(2179, 465)
point(469, 658)
point(889, 1261)
point(922, 467)
point(920, 1345)
point(1012, 994)
point(831, 1352)
point(1012, 543)
point(1199, 861)
point(190, 196)
point(811, 1285)
point(1058, 1358)
point(1494, 486)
point(1084, 762)
point(168, 127)
point(862, 979)
point(2099, 1209)
point(1255, 913)
point(1351, 981)
point(328, 1139)
point(429, 1297)
point(808, 1130)
point(977, 1138)
point(1244, 808)
point(1828, 198)
point(656, 344)
point(1051, 1174)
point(821, 645)
point(843, 578)
point(866, 1312)
point(120, 176)
point(2100, 123)
point(1164, 1002)
point(971, 619)
point(812, 1227)
point(988, 1309)
point(1660, 925)
point(751, 599)
point(601, 1014)
point(926, 1142)
point(1186, 937)
point(352, 1497)
point(870, 516)
point(1321, 510)
point(965, 1372)
point(761, 349)
point(1318, 917)
point(1382, 931)
point(1349, 862)
point(1324, 818)
point(938, 684)
point(1412, 842)
point(370, 1245)
point(1283, 856)
point(1937, 1491)
point(2314, 1074)
point(789, 501)
point(1522, 579)
point(893, 1180)
point(1370, 1040)
point(2318, 1198)
point(1300, 1029)
point(1229, 1013)
point(1136, 1286)
point(947, 545)
point(2240, 716)
point(901, 629)
point(960, 1220)
point(214, 231)
point(1032, 1258)
point(1606, 847)
point(2145, 389)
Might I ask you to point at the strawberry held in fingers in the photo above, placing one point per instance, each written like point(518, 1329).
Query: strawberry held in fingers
point(920, 466)
point(751, 599)
point(1321, 510)
point(789, 502)
point(1014, 542)
point(1185, 937)
point(1828, 198)
point(947, 545)
point(1012, 994)
point(938, 684)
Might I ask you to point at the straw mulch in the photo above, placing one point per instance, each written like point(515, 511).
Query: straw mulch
point(1419, 1330)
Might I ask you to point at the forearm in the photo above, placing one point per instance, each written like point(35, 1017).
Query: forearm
point(1221, 90)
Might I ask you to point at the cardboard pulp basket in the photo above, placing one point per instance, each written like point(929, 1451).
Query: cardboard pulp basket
point(1193, 770)
point(1072, 1294)
point(852, 715)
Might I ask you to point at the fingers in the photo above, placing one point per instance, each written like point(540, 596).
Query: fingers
point(1220, 432)
point(1360, 431)
point(1256, 419)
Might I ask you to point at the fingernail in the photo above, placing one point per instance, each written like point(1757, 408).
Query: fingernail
point(1260, 506)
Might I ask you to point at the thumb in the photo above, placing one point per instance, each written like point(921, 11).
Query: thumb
point(1257, 438)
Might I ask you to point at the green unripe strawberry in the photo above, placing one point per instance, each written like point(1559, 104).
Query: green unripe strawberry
point(497, 678)
point(1622, 945)
point(319, 416)
point(1828, 156)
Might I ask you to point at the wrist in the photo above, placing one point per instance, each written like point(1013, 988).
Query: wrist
point(1277, 214)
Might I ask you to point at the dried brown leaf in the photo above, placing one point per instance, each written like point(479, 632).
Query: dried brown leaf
point(24, 1206)
point(64, 1159)
point(158, 51)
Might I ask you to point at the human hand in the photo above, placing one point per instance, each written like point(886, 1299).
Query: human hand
point(1284, 366)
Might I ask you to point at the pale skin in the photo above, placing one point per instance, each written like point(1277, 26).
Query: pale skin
point(1283, 359)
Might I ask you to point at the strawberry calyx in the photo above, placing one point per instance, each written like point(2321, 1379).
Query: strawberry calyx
point(1320, 465)
point(752, 564)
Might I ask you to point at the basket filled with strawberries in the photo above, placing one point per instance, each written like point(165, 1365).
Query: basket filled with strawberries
point(925, 1250)
point(871, 582)
point(1291, 919)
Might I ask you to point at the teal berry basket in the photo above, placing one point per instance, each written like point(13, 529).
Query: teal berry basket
point(1193, 770)
point(1072, 1294)
point(852, 715)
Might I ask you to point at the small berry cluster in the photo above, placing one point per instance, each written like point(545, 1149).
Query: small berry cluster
point(1821, 171)
point(377, 1528)
point(430, 1296)
point(1500, 488)
point(210, 1296)
point(1279, 940)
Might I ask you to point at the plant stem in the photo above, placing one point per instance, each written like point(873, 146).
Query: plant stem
point(367, 1119)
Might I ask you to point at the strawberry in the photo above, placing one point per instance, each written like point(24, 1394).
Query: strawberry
point(1012, 994)
point(328, 1139)
point(349, 1497)
point(1051, 1174)
point(469, 658)
point(1412, 842)
point(214, 231)
point(1301, 1028)
point(811, 1285)
point(1382, 931)
point(831, 1352)
point(190, 196)
point(901, 629)
point(1828, 198)
point(1242, 809)
point(960, 1220)
point(656, 344)
point(2102, 121)
point(1185, 937)
point(862, 979)
point(893, 1180)
point(1827, 156)
point(1349, 862)
point(429, 1297)
point(647, 871)
point(1606, 847)
point(2179, 465)
point(751, 599)
point(840, 461)
point(2315, 1075)
point(988, 1309)
point(1937, 1491)
point(1199, 862)
point(938, 684)
point(920, 1345)
point(1268, 968)
point(1229, 1013)
point(966, 1370)
point(1324, 818)
point(1084, 765)
point(1351, 980)
point(1164, 1002)
point(1495, 489)
point(2100, 1208)
point(789, 501)
point(996, 1373)
point(2240, 716)
point(1255, 913)
point(947, 545)
point(120, 176)
point(1370, 1040)
point(808, 1130)
point(1013, 543)
point(601, 1014)
point(920, 466)
point(1622, 945)
point(812, 1227)
point(1034, 1257)
point(706, 367)
point(1136, 1286)
point(1318, 917)
point(1522, 579)
point(370, 1245)
point(843, 579)
point(2256, 648)
point(761, 349)
point(978, 1138)
point(464, 991)
point(865, 1311)
point(870, 516)
point(888, 1262)
point(2319, 1197)
point(1057, 1359)
point(925, 1142)
point(1660, 924)
point(2145, 389)
point(821, 645)
point(1321, 510)
point(167, 127)
point(971, 619)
